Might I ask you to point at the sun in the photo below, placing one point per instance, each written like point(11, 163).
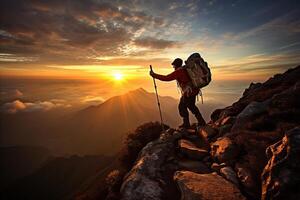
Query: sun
point(118, 76)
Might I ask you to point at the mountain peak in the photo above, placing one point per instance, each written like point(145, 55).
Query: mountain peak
point(139, 90)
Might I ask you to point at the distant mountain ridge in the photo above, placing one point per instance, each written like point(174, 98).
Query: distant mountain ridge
point(20, 161)
point(108, 122)
point(57, 178)
point(81, 132)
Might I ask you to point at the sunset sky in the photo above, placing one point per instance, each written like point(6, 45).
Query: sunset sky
point(240, 39)
point(114, 42)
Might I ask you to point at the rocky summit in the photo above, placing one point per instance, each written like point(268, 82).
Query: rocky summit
point(249, 150)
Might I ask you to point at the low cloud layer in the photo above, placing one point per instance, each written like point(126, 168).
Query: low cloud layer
point(19, 106)
point(9, 94)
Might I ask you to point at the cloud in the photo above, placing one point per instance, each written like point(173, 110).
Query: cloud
point(17, 93)
point(94, 100)
point(257, 66)
point(55, 32)
point(288, 24)
point(154, 43)
point(19, 106)
point(121, 61)
point(11, 94)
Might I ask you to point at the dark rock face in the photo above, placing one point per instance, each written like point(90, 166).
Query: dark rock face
point(281, 176)
point(195, 186)
point(260, 93)
point(250, 112)
point(260, 118)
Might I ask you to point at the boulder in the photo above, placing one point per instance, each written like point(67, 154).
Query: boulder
point(247, 179)
point(224, 150)
point(281, 176)
point(208, 132)
point(190, 150)
point(216, 167)
point(194, 166)
point(225, 121)
point(215, 115)
point(229, 174)
point(248, 114)
point(224, 129)
point(144, 180)
point(195, 186)
point(198, 141)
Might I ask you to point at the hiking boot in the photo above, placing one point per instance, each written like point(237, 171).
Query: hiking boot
point(201, 121)
point(185, 126)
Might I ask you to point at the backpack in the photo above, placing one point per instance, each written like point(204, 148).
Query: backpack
point(198, 70)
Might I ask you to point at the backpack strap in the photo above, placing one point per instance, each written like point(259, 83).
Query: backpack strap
point(201, 94)
point(178, 88)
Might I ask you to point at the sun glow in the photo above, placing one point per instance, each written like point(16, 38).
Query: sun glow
point(118, 76)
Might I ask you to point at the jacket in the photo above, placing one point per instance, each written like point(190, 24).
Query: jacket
point(183, 80)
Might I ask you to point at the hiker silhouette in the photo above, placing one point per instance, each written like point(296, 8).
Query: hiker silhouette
point(188, 92)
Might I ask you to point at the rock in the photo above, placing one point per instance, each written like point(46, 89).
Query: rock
point(229, 174)
point(224, 129)
point(248, 114)
point(216, 167)
point(198, 141)
point(246, 178)
point(190, 150)
point(260, 93)
point(251, 87)
point(227, 120)
point(194, 166)
point(144, 180)
point(206, 159)
point(215, 115)
point(224, 150)
point(208, 132)
point(195, 186)
point(281, 176)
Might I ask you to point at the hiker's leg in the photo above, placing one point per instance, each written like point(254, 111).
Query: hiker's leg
point(182, 107)
point(194, 109)
point(183, 111)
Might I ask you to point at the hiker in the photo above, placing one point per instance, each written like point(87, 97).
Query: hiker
point(189, 93)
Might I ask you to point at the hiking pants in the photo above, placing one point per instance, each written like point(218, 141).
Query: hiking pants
point(189, 103)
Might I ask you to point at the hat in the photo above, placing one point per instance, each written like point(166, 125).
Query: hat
point(177, 62)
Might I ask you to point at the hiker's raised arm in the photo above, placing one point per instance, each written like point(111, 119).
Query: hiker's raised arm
point(169, 77)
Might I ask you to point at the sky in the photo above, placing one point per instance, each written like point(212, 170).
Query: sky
point(240, 39)
point(112, 43)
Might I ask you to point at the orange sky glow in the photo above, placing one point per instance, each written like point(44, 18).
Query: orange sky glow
point(96, 40)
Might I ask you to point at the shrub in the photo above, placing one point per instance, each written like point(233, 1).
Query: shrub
point(136, 140)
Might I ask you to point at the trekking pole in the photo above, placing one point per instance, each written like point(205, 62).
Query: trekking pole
point(158, 103)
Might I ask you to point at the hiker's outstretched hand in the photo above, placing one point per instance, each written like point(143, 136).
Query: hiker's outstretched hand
point(152, 73)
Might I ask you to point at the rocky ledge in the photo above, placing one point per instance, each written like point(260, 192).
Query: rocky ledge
point(249, 150)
